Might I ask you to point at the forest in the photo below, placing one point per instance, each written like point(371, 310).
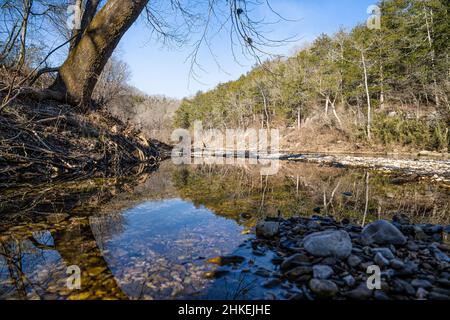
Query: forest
point(387, 87)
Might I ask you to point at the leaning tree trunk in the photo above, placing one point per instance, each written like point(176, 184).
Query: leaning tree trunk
point(78, 75)
point(88, 13)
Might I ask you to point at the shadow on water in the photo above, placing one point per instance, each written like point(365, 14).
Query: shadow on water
point(151, 236)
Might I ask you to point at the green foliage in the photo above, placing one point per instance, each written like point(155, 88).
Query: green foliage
point(415, 132)
point(406, 64)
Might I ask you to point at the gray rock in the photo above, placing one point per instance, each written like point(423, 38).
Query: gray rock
point(354, 261)
point(322, 272)
point(294, 261)
point(297, 272)
point(436, 229)
point(397, 264)
point(447, 229)
point(313, 225)
point(419, 234)
point(421, 294)
point(444, 282)
point(349, 280)
point(360, 293)
point(386, 252)
point(323, 288)
point(380, 260)
point(439, 254)
point(402, 286)
point(329, 243)
point(267, 229)
point(382, 232)
point(380, 295)
point(419, 283)
point(388, 274)
point(437, 296)
point(412, 246)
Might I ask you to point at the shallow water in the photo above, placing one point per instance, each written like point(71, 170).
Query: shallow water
point(151, 236)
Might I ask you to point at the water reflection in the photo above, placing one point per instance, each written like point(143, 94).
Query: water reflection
point(149, 237)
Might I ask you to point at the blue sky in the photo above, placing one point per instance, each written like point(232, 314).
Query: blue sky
point(160, 70)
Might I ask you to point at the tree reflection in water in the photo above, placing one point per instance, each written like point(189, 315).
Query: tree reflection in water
point(46, 229)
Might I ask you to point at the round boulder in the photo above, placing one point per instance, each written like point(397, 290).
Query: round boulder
point(329, 243)
point(382, 232)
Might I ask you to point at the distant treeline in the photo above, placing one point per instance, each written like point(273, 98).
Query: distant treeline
point(390, 85)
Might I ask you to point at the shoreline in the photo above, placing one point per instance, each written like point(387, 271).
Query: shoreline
point(320, 258)
point(436, 170)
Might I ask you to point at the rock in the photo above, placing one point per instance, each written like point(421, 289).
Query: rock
point(267, 229)
point(385, 252)
point(329, 243)
point(349, 280)
point(226, 260)
point(313, 225)
point(360, 293)
point(294, 261)
point(380, 295)
point(437, 296)
point(317, 210)
point(419, 234)
point(329, 261)
point(419, 283)
point(354, 261)
point(435, 229)
point(447, 229)
point(439, 254)
point(322, 272)
point(421, 294)
point(437, 237)
point(401, 219)
point(380, 260)
point(297, 272)
point(412, 246)
point(444, 282)
point(397, 264)
point(389, 273)
point(382, 232)
point(271, 283)
point(402, 286)
point(323, 288)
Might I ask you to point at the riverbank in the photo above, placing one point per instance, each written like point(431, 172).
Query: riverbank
point(320, 258)
point(413, 167)
point(48, 141)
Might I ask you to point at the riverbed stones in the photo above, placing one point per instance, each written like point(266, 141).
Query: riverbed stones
point(380, 260)
point(421, 283)
point(323, 288)
point(382, 232)
point(322, 272)
point(267, 229)
point(447, 229)
point(316, 263)
point(385, 252)
point(362, 292)
point(354, 261)
point(349, 280)
point(297, 272)
point(397, 264)
point(294, 261)
point(329, 243)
